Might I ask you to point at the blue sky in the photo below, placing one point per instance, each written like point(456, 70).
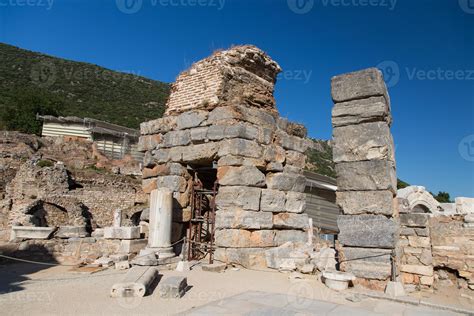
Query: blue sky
point(426, 48)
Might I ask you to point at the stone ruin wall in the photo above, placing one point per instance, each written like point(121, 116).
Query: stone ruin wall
point(222, 110)
point(437, 243)
point(365, 165)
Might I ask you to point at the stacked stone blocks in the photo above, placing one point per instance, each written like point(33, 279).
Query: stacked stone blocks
point(365, 165)
point(259, 155)
point(415, 243)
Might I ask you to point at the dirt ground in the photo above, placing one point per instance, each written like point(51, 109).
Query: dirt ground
point(28, 289)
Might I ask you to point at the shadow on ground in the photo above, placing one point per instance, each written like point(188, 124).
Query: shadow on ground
point(13, 272)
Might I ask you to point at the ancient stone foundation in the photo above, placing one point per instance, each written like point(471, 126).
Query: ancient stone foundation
point(366, 178)
point(222, 115)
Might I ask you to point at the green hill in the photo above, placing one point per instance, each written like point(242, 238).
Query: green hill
point(33, 83)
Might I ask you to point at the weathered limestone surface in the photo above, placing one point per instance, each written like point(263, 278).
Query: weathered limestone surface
point(358, 85)
point(122, 232)
point(374, 265)
point(366, 178)
point(361, 111)
point(240, 197)
point(241, 219)
point(368, 231)
point(366, 202)
point(370, 175)
point(173, 287)
point(136, 282)
point(368, 141)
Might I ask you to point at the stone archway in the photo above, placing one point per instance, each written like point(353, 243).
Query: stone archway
point(419, 200)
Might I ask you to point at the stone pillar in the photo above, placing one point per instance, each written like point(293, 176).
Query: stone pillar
point(161, 208)
point(117, 218)
point(365, 165)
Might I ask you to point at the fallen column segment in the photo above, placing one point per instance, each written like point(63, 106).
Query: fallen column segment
point(136, 282)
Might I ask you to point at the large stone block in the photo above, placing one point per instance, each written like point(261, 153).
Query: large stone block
point(296, 236)
point(240, 147)
point(122, 232)
point(72, 232)
point(295, 159)
point(290, 221)
point(417, 269)
point(358, 85)
point(241, 176)
point(290, 142)
point(240, 219)
point(361, 111)
point(28, 232)
point(369, 141)
point(199, 134)
point(366, 202)
point(246, 198)
point(195, 153)
point(367, 263)
point(174, 183)
point(239, 238)
point(286, 181)
point(176, 138)
point(149, 142)
point(368, 231)
point(295, 202)
point(246, 257)
point(241, 161)
point(161, 125)
point(464, 205)
point(274, 153)
point(168, 169)
point(414, 219)
point(191, 119)
point(272, 201)
point(173, 287)
point(366, 176)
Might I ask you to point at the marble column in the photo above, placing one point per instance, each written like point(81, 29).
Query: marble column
point(161, 210)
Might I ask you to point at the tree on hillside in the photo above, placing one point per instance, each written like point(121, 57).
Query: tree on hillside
point(20, 113)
